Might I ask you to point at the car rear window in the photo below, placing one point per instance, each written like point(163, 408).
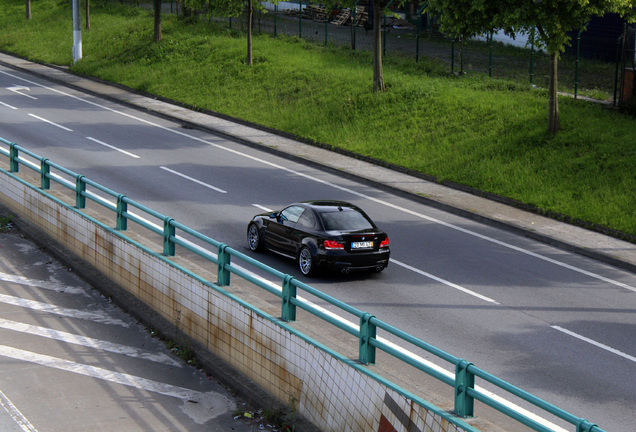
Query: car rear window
point(346, 220)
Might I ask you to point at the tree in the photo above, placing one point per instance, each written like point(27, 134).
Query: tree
point(230, 8)
point(378, 71)
point(157, 35)
point(463, 19)
point(553, 19)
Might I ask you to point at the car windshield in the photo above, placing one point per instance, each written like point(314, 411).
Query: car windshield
point(346, 220)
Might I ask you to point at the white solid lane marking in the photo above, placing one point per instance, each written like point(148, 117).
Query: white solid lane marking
point(51, 123)
point(265, 209)
point(132, 155)
point(192, 179)
point(15, 414)
point(378, 201)
point(88, 342)
point(8, 106)
point(72, 313)
point(445, 282)
point(596, 344)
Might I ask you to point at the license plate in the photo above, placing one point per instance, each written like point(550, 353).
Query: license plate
point(362, 245)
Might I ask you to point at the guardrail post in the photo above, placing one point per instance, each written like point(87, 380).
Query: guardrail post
point(80, 190)
point(289, 292)
point(168, 232)
point(45, 171)
point(122, 207)
point(464, 404)
point(368, 331)
point(14, 166)
point(224, 258)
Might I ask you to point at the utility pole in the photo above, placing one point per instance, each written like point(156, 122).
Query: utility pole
point(77, 32)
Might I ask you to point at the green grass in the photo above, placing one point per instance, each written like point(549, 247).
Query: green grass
point(486, 133)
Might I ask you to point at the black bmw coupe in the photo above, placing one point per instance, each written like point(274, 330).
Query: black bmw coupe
point(333, 235)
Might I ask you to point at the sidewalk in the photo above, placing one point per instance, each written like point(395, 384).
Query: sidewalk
point(607, 249)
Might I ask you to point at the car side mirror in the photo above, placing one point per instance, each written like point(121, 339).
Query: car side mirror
point(273, 215)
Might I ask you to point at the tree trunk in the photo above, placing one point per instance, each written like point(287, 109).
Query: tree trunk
point(28, 9)
point(157, 35)
point(554, 124)
point(378, 74)
point(250, 18)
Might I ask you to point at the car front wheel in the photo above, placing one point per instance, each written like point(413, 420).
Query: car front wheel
point(254, 238)
point(306, 261)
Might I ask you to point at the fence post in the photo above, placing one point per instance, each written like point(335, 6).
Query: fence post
point(224, 258)
point(578, 60)
point(453, 56)
point(300, 19)
point(289, 292)
point(122, 207)
point(168, 232)
point(14, 165)
point(532, 56)
point(275, 15)
point(368, 331)
point(80, 190)
point(45, 171)
point(490, 56)
point(464, 404)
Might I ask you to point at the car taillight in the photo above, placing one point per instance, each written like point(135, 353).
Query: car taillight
point(332, 244)
point(385, 243)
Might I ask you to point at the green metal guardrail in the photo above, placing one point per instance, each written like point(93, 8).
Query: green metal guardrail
point(463, 383)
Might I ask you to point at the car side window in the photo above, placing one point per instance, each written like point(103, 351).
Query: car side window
point(307, 219)
point(291, 214)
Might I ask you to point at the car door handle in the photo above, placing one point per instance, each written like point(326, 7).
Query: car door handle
point(288, 231)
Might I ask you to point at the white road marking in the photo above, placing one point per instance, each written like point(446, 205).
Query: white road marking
point(596, 344)
point(378, 201)
point(72, 313)
point(89, 342)
point(8, 106)
point(18, 89)
point(265, 209)
point(193, 179)
point(51, 123)
point(177, 392)
point(344, 189)
point(445, 282)
point(113, 148)
point(15, 414)
point(54, 286)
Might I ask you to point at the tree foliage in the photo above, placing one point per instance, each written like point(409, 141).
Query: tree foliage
point(552, 20)
point(463, 19)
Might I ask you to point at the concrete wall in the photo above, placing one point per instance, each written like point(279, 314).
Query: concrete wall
point(329, 390)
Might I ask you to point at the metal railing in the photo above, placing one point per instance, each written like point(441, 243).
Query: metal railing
point(171, 232)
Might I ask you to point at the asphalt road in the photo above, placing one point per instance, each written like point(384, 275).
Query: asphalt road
point(556, 324)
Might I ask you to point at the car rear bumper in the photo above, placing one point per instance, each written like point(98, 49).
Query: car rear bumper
point(343, 261)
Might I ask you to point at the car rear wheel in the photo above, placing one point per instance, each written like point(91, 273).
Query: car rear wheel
point(254, 238)
point(306, 261)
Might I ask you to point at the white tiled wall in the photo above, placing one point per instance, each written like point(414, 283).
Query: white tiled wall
point(331, 392)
